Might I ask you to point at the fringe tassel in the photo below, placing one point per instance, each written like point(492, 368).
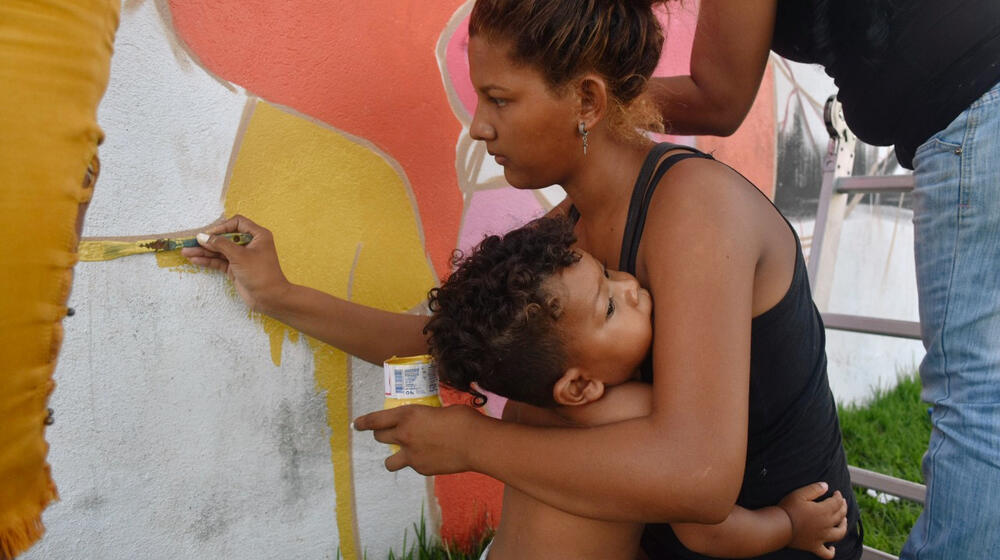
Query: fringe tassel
point(24, 532)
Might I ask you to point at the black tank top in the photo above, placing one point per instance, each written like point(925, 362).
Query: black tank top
point(794, 434)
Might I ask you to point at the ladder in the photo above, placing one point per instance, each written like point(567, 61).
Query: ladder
point(838, 186)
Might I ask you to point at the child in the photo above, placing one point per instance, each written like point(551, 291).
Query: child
point(529, 318)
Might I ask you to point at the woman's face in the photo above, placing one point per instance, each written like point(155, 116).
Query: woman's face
point(528, 128)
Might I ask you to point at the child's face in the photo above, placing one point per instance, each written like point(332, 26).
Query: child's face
point(606, 319)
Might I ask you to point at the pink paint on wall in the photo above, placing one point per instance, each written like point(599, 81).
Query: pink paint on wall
point(497, 211)
point(457, 63)
point(678, 22)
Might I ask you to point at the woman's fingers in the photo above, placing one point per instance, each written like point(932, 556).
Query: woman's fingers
point(396, 461)
point(220, 245)
point(377, 421)
point(432, 440)
point(253, 268)
point(237, 224)
point(215, 263)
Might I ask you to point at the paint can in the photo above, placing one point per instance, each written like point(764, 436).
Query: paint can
point(410, 380)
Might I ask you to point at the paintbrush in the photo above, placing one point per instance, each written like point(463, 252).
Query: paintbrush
point(107, 250)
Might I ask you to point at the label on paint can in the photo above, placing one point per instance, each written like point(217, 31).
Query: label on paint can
point(411, 377)
point(410, 380)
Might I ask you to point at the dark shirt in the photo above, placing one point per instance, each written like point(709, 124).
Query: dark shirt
point(937, 57)
point(793, 433)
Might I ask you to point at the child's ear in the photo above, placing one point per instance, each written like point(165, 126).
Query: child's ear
point(575, 388)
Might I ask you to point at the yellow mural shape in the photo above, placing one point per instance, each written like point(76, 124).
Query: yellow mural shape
point(344, 222)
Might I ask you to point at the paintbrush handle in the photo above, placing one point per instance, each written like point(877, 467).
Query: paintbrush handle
point(237, 238)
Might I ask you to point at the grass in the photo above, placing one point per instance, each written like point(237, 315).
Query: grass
point(889, 435)
point(428, 547)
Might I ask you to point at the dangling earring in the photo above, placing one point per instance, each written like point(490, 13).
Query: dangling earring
point(584, 132)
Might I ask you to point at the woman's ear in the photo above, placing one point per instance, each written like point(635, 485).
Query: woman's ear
point(575, 388)
point(592, 91)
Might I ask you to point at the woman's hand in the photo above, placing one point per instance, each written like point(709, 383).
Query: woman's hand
point(815, 523)
point(253, 269)
point(432, 440)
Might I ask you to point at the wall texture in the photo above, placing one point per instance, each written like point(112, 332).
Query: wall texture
point(189, 427)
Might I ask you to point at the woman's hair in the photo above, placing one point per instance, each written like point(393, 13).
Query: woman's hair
point(620, 40)
point(494, 322)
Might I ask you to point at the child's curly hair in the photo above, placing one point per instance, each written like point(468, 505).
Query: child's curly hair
point(494, 323)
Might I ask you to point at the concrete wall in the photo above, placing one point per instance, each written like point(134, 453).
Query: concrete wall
point(874, 272)
point(187, 426)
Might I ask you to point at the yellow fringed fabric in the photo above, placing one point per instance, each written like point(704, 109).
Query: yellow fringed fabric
point(54, 63)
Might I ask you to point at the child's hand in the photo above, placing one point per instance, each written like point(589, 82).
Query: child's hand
point(815, 523)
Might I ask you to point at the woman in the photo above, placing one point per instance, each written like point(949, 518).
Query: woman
point(559, 87)
point(923, 76)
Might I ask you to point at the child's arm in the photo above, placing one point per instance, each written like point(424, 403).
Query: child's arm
point(796, 522)
point(620, 402)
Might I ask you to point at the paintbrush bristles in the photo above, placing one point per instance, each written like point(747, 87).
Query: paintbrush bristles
point(91, 251)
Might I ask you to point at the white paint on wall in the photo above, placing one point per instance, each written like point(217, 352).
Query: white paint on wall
point(170, 128)
point(874, 276)
point(175, 434)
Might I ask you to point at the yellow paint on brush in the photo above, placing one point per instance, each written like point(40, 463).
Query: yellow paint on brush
point(344, 222)
point(106, 250)
point(94, 251)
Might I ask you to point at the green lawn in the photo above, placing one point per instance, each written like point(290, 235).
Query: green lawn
point(888, 435)
point(423, 546)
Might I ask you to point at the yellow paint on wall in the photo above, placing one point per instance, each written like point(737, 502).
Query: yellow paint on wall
point(344, 222)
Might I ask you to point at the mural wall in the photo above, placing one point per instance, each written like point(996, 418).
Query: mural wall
point(188, 426)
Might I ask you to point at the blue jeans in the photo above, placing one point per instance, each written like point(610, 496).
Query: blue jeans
point(956, 221)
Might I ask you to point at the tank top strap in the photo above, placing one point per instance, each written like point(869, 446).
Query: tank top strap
point(648, 166)
point(642, 193)
point(574, 214)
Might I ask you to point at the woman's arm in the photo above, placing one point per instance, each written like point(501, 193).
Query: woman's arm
point(731, 46)
point(797, 522)
point(368, 333)
point(683, 462)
